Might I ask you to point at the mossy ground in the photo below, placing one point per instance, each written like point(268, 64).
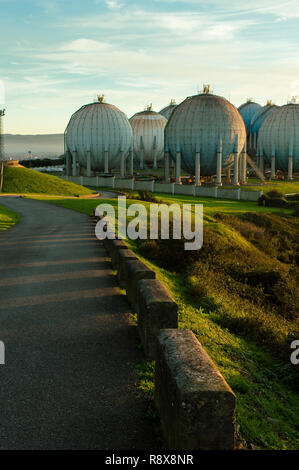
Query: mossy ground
point(225, 296)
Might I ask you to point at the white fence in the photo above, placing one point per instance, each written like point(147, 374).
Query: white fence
point(169, 188)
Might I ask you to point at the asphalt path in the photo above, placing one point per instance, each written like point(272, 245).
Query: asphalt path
point(71, 350)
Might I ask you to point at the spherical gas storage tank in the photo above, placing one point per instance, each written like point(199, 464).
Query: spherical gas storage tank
point(199, 124)
point(256, 122)
point(279, 136)
point(148, 135)
point(260, 115)
point(99, 128)
point(247, 110)
point(167, 111)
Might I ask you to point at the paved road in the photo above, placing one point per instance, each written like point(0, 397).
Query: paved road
point(71, 350)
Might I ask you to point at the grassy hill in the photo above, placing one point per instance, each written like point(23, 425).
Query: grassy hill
point(24, 181)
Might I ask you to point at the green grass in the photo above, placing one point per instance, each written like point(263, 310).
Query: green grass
point(237, 320)
point(7, 218)
point(285, 187)
point(25, 181)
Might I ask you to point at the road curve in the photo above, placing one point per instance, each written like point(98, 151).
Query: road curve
point(71, 350)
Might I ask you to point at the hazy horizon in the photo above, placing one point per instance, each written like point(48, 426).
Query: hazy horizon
point(56, 56)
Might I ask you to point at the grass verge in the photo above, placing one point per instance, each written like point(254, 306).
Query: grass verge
point(7, 218)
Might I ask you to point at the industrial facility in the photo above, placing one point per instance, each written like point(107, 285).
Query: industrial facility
point(148, 137)
point(203, 140)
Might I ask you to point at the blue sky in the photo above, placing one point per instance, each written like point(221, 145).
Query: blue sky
point(57, 55)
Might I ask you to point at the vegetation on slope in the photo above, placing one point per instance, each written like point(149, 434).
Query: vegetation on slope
point(238, 295)
point(7, 218)
point(24, 181)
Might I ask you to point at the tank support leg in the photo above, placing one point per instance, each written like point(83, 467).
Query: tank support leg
point(273, 167)
point(74, 155)
point(219, 165)
point(106, 161)
point(88, 163)
point(131, 161)
point(236, 170)
point(197, 169)
point(178, 168)
point(68, 159)
point(166, 165)
point(262, 164)
point(244, 166)
point(290, 168)
point(122, 163)
point(155, 153)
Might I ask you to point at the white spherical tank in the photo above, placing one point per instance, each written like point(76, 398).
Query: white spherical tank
point(202, 124)
point(256, 122)
point(247, 110)
point(98, 128)
point(279, 136)
point(148, 135)
point(167, 111)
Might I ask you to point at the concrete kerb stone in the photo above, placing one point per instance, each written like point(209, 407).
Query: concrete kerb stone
point(157, 310)
point(134, 270)
point(196, 405)
point(120, 258)
point(114, 245)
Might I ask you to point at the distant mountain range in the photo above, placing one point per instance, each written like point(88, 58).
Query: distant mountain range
point(41, 145)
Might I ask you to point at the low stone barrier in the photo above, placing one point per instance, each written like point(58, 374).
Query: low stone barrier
point(157, 310)
point(169, 188)
point(196, 405)
point(133, 272)
point(114, 244)
point(120, 258)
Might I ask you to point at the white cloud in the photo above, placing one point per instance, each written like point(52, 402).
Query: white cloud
point(113, 4)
